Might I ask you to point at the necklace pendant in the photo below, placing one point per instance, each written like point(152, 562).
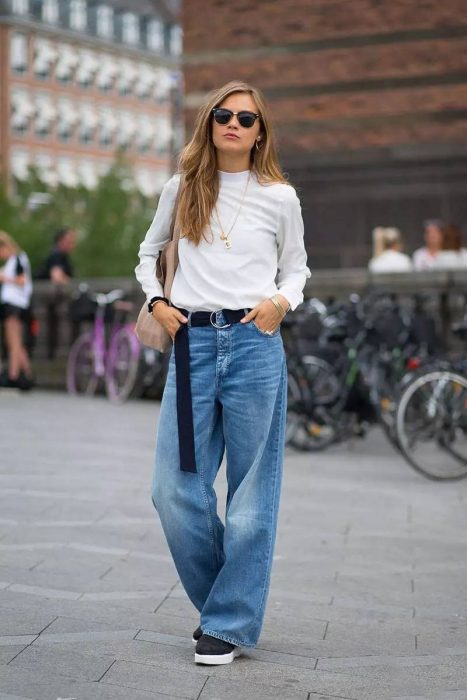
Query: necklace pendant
point(223, 236)
point(228, 244)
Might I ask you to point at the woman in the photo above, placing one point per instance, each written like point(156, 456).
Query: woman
point(242, 265)
point(15, 298)
point(425, 258)
point(452, 255)
point(387, 252)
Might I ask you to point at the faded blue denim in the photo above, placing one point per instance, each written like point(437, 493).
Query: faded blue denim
point(239, 390)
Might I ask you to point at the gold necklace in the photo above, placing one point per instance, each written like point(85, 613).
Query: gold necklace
point(226, 236)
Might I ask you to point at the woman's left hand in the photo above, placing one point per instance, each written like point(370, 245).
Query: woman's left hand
point(265, 315)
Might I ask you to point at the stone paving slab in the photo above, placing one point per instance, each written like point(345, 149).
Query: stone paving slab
point(368, 592)
point(140, 676)
point(28, 685)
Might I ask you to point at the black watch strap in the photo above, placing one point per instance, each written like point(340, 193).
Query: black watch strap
point(153, 301)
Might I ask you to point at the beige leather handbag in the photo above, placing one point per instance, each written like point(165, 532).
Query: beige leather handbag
point(149, 330)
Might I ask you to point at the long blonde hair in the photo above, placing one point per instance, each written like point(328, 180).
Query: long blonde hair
point(385, 238)
point(7, 241)
point(198, 162)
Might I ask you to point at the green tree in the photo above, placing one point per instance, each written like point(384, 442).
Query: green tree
point(111, 220)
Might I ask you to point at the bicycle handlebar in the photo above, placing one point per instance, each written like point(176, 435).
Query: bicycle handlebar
point(109, 298)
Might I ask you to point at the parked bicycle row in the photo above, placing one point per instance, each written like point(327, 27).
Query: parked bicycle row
point(350, 365)
point(377, 360)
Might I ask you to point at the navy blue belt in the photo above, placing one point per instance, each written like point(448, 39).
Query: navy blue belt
point(186, 437)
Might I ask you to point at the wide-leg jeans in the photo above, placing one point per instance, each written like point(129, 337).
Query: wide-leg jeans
point(239, 397)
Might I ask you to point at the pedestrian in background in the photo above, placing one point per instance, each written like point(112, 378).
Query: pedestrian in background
point(424, 258)
point(387, 252)
point(242, 265)
point(15, 300)
point(58, 268)
point(452, 255)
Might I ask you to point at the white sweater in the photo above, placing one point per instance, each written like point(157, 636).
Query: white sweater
point(391, 261)
point(267, 254)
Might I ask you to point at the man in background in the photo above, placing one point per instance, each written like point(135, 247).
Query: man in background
point(58, 268)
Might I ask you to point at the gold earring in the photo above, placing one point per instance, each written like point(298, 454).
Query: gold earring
point(257, 144)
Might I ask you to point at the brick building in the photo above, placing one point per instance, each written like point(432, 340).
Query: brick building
point(369, 99)
point(80, 80)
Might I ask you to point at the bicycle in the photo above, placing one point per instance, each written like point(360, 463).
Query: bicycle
point(431, 419)
point(92, 359)
point(348, 378)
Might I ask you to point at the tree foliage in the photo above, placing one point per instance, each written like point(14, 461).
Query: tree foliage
point(111, 220)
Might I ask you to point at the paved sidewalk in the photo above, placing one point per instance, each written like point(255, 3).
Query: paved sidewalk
point(369, 588)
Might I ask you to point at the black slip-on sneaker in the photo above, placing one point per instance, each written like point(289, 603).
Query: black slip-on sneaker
point(214, 652)
point(197, 634)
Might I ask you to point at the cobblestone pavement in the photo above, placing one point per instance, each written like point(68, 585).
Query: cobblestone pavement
point(369, 587)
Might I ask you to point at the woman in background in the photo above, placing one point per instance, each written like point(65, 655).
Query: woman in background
point(424, 258)
point(452, 255)
point(387, 252)
point(15, 299)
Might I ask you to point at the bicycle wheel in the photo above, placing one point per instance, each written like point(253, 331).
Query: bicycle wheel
point(314, 426)
point(431, 424)
point(80, 376)
point(294, 404)
point(322, 381)
point(122, 365)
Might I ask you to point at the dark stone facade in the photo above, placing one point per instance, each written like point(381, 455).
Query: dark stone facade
point(369, 100)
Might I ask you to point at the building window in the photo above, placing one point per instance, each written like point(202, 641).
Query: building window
point(67, 61)
point(20, 7)
point(47, 171)
point(87, 67)
point(19, 52)
point(105, 26)
point(108, 125)
point(45, 115)
point(50, 11)
point(78, 14)
point(164, 135)
point(175, 40)
point(87, 174)
point(128, 75)
point(22, 109)
point(127, 129)
point(44, 54)
point(86, 134)
point(67, 118)
point(88, 121)
point(20, 164)
point(67, 173)
point(163, 86)
point(155, 35)
point(130, 28)
point(146, 134)
point(106, 74)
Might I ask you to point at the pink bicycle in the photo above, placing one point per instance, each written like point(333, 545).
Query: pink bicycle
point(93, 360)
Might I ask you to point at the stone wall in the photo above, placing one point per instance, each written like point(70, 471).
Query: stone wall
point(445, 291)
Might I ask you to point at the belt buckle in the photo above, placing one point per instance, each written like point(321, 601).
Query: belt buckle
point(213, 323)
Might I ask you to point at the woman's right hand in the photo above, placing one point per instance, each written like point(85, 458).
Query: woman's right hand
point(170, 317)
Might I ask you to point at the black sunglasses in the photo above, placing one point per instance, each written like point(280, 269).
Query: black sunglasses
point(245, 118)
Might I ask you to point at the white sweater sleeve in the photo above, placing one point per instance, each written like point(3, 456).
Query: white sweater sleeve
point(292, 258)
point(156, 237)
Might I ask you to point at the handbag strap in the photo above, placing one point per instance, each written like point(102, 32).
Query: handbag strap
point(174, 229)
